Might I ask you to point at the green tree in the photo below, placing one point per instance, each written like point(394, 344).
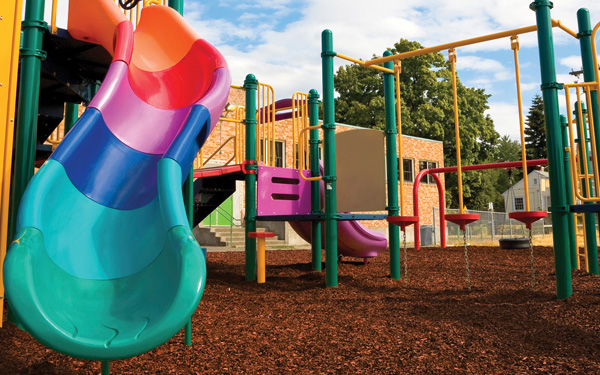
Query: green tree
point(535, 130)
point(428, 112)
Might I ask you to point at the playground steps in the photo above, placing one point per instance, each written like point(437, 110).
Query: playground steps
point(211, 191)
point(69, 74)
point(236, 237)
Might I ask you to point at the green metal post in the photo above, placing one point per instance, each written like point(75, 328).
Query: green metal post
point(28, 105)
point(560, 209)
point(251, 86)
point(177, 5)
point(392, 167)
point(105, 367)
point(188, 201)
point(315, 186)
point(589, 75)
point(569, 190)
point(329, 178)
point(590, 218)
point(71, 116)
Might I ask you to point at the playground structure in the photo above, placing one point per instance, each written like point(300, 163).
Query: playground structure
point(576, 179)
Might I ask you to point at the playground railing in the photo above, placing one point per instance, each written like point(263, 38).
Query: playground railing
point(265, 125)
point(584, 176)
point(236, 153)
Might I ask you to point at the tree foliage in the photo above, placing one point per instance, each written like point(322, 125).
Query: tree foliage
point(535, 130)
point(428, 112)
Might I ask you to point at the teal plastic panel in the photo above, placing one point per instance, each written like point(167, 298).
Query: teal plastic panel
point(170, 193)
point(83, 237)
point(104, 319)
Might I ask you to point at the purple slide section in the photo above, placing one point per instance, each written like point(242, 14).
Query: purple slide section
point(121, 107)
point(354, 239)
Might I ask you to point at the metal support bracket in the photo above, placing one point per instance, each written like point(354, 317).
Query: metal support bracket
point(328, 54)
point(551, 85)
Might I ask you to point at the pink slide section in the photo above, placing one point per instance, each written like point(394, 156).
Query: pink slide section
point(354, 239)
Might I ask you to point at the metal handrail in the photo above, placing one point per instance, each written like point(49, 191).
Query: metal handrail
point(220, 148)
point(302, 160)
point(299, 122)
point(265, 124)
point(238, 146)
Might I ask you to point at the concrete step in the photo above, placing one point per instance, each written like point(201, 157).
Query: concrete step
point(226, 229)
point(236, 237)
point(271, 242)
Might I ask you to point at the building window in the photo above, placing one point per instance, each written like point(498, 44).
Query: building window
point(279, 153)
point(519, 204)
point(535, 181)
point(408, 166)
point(427, 179)
point(548, 203)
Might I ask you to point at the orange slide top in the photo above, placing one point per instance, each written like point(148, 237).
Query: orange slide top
point(95, 21)
point(156, 48)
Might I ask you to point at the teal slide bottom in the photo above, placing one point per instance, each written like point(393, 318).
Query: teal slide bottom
point(91, 309)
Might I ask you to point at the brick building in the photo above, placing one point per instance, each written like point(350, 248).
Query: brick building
point(418, 153)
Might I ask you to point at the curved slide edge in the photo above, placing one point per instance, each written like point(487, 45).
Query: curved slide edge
point(27, 256)
point(354, 239)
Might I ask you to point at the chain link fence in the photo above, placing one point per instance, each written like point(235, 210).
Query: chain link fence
point(491, 227)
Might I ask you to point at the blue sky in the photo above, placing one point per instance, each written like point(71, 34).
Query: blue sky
point(279, 40)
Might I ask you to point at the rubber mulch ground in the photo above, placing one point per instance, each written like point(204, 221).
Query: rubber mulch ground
point(369, 324)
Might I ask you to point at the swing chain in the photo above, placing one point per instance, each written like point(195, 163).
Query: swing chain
point(467, 260)
point(531, 258)
point(405, 260)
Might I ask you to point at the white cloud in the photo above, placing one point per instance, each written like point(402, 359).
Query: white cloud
point(572, 62)
point(361, 29)
point(289, 58)
point(506, 118)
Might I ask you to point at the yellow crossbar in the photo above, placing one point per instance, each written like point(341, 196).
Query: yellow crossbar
point(466, 42)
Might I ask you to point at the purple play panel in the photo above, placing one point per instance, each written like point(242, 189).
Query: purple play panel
point(281, 191)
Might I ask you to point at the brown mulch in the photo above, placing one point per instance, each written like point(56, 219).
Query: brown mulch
point(369, 324)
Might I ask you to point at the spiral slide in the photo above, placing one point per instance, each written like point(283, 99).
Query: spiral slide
point(104, 265)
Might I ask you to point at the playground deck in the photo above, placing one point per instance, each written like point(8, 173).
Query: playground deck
point(369, 324)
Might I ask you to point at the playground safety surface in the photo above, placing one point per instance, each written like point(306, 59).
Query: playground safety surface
point(369, 324)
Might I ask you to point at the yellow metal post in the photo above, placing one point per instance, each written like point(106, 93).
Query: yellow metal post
point(452, 59)
point(514, 44)
point(260, 260)
point(10, 34)
point(397, 71)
